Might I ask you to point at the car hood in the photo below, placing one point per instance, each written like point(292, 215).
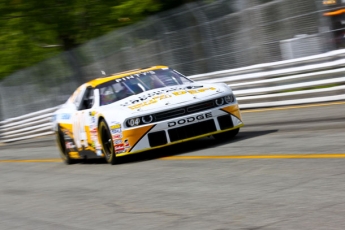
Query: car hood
point(168, 97)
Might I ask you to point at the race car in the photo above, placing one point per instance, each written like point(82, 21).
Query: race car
point(140, 110)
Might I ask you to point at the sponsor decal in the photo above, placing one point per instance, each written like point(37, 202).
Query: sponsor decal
point(115, 131)
point(93, 120)
point(192, 91)
point(99, 152)
point(145, 103)
point(93, 113)
point(135, 76)
point(118, 141)
point(119, 148)
point(65, 116)
point(93, 131)
point(117, 136)
point(94, 138)
point(189, 119)
point(67, 134)
point(70, 145)
point(116, 126)
point(157, 98)
point(162, 97)
point(126, 144)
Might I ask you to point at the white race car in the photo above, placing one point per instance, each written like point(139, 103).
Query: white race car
point(142, 109)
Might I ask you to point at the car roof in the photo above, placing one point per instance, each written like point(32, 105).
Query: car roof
point(98, 81)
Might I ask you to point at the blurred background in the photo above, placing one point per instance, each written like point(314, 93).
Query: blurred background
point(48, 48)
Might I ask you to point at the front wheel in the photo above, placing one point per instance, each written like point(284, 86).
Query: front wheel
point(106, 142)
point(226, 135)
point(60, 137)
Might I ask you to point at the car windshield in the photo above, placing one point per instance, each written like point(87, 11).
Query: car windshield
point(121, 88)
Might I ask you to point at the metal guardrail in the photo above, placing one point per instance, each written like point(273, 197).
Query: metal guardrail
point(258, 86)
point(27, 126)
point(324, 60)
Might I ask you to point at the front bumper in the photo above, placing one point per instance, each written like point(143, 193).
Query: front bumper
point(180, 129)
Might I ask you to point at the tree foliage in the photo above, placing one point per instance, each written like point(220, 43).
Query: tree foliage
point(33, 30)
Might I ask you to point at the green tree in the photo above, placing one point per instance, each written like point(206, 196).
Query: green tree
point(33, 30)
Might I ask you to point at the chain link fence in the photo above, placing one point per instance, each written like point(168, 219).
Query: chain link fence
point(195, 38)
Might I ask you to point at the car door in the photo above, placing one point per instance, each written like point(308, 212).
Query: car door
point(81, 119)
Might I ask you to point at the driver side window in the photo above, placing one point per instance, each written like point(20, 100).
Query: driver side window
point(88, 99)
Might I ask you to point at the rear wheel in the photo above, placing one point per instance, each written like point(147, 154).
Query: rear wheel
point(106, 142)
point(60, 136)
point(226, 135)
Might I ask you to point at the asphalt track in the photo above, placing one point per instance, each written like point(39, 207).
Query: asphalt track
point(285, 170)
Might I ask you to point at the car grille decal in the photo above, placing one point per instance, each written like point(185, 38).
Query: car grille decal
point(170, 114)
point(201, 106)
point(157, 138)
point(192, 130)
point(184, 110)
point(225, 122)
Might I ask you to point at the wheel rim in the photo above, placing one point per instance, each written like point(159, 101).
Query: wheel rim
point(106, 141)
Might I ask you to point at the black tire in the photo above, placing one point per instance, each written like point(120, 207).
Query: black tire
point(106, 142)
point(226, 135)
point(60, 137)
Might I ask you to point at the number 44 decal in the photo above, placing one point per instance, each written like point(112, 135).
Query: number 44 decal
point(80, 136)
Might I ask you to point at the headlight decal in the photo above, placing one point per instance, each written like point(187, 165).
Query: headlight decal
point(130, 122)
point(147, 119)
point(229, 99)
point(182, 111)
point(133, 122)
point(219, 101)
